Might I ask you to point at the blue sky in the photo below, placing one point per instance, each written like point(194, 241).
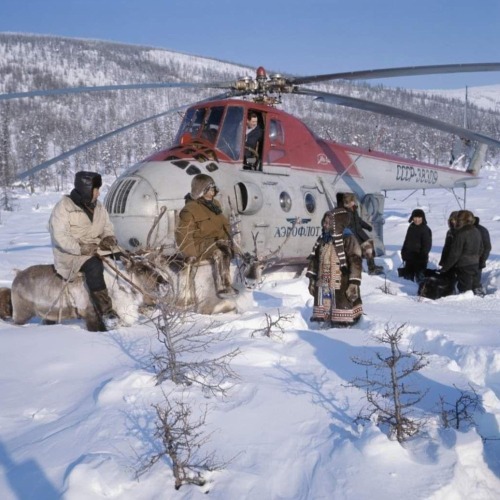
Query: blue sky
point(300, 37)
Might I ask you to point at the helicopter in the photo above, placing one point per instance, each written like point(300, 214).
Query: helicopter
point(276, 196)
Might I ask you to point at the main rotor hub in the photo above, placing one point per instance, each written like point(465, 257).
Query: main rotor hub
point(263, 85)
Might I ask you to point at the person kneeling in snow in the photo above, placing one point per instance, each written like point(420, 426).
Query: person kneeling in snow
point(334, 272)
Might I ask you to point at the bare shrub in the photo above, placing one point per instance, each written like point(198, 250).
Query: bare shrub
point(181, 441)
point(390, 398)
point(461, 412)
point(185, 358)
point(274, 326)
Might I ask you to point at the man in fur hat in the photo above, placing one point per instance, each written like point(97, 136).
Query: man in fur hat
point(79, 225)
point(465, 253)
point(203, 232)
point(357, 225)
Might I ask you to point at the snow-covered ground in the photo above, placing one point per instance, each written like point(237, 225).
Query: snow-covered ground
point(76, 416)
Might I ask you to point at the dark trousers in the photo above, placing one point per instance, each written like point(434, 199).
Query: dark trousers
point(468, 278)
point(415, 270)
point(93, 269)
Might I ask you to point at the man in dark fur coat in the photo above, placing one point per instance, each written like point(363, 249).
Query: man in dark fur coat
point(203, 232)
point(334, 272)
point(465, 252)
point(417, 245)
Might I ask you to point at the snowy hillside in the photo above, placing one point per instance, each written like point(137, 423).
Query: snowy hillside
point(487, 97)
point(77, 422)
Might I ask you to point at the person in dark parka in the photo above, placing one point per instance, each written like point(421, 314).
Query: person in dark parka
point(452, 223)
point(416, 246)
point(486, 240)
point(465, 251)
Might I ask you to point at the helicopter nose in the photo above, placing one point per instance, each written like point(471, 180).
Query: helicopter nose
point(135, 213)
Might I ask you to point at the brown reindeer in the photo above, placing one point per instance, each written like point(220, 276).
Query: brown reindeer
point(39, 291)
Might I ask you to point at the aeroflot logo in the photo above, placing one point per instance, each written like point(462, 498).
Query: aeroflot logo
point(407, 173)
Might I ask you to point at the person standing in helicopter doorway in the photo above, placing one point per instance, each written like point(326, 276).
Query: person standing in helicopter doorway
point(334, 273)
point(79, 225)
point(357, 225)
point(416, 246)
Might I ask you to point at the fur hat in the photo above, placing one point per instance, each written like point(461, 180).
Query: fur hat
point(200, 184)
point(452, 219)
point(418, 212)
point(465, 218)
point(85, 182)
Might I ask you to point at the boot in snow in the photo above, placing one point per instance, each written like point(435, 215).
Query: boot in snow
point(373, 268)
point(104, 306)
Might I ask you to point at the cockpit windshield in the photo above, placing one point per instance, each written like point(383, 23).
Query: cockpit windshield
point(220, 125)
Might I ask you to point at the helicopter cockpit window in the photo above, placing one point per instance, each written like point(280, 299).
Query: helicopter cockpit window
point(310, 202)
point(285, 201)
point(191, 123)
point(212, 124)
point(276, 134)
point(230, 137)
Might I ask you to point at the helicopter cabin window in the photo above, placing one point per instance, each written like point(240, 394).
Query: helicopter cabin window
point(310, 203)
point(212, 123)
point(230, 137)
point(254, 139)
point(276, 140)
point(285, 201)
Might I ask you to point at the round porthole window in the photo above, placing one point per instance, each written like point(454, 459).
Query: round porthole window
point(285, 201)
point(310, 202)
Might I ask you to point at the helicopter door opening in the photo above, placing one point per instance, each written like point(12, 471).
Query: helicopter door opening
point(254, 141)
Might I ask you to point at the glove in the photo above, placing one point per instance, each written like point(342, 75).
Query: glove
point(312, 287)
point(352, 292)
point(88, 248)
point(344, 270)
point(108, 243)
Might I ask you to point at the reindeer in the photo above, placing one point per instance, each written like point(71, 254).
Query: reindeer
point(39, 291)
point(191, 286)
point(253, 265)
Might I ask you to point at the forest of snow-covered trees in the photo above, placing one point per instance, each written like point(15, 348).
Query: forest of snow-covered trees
point(36, 129)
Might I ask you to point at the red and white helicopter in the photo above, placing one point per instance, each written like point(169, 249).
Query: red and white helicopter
point(293, 177)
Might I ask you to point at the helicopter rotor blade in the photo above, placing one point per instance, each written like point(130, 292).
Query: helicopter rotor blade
point(384, 109)
point(103, 88)
point(103, 137)
point(395, 72)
